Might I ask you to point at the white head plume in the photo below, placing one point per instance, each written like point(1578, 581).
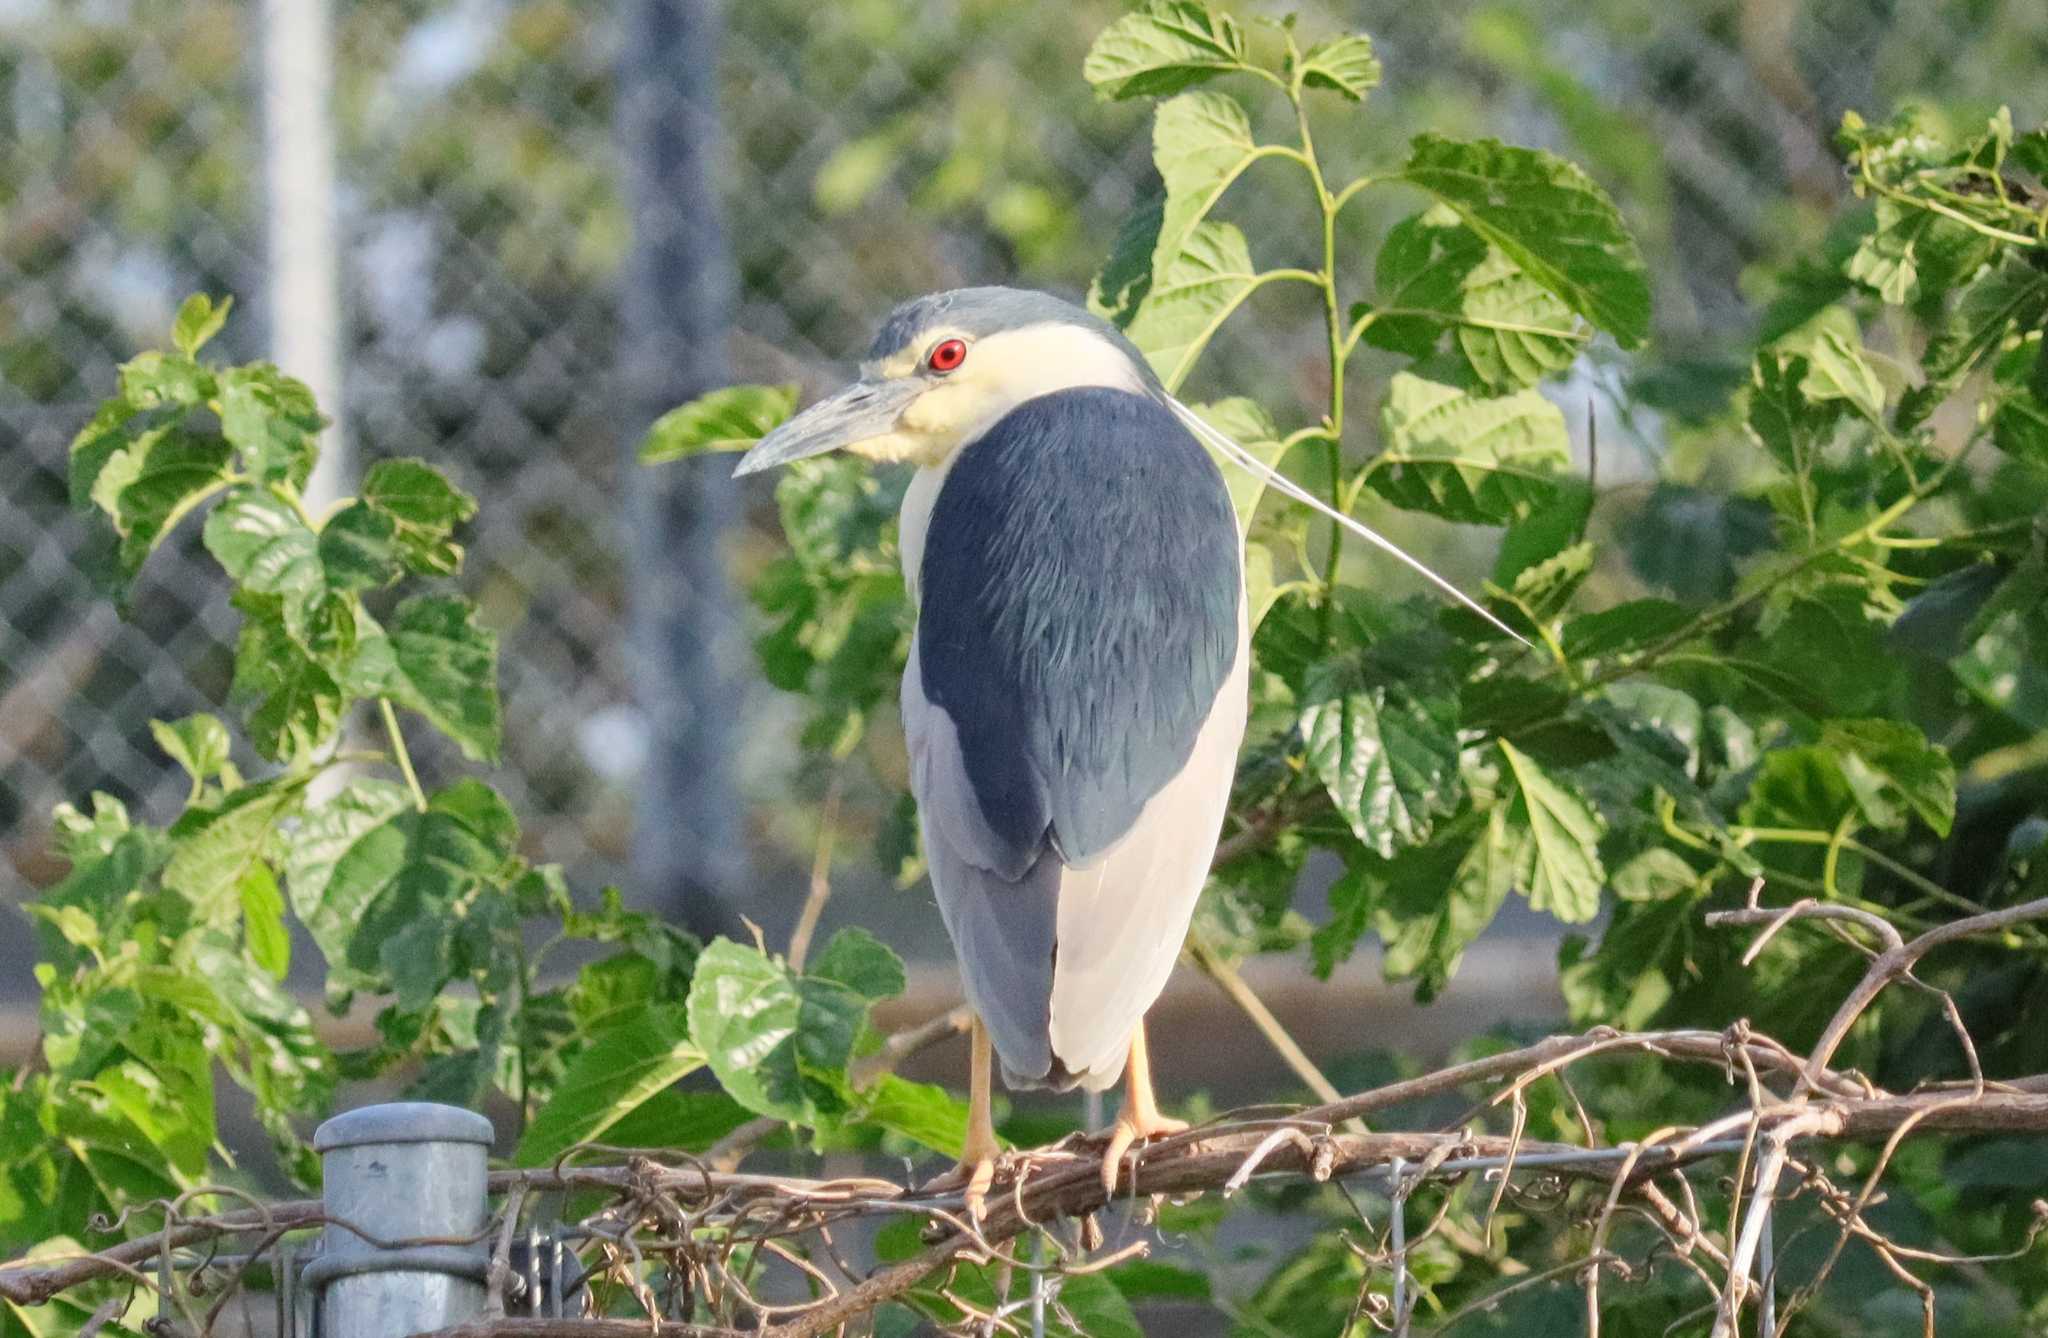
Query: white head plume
point(1245, 460)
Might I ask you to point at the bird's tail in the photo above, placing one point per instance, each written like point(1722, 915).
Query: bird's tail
point(1245, 460)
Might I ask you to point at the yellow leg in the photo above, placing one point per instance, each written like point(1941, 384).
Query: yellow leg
point(977, 1168)
point(1140, 1118)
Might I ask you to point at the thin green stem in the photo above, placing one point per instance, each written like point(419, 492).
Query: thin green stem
point(400, 754)
point(1932, 206)
point(1333, 319)
point(1709, 619)
point(1343, 197)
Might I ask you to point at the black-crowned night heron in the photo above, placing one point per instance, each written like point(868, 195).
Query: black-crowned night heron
point(1076, 689)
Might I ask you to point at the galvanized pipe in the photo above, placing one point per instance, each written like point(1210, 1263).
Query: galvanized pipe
point(405, 1251)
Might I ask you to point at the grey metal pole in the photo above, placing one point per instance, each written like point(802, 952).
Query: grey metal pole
point(299, 218)
point(688, 650)
point(391, 1174)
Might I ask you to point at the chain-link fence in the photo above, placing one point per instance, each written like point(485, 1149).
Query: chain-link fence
point(867, 150)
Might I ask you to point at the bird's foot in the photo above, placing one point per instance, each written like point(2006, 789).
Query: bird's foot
point(973, 1176)
point(1129, 1130)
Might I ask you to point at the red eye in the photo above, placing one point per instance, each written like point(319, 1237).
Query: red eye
point(947, 355)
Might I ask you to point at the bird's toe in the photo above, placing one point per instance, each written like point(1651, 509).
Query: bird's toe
point(1128, 1132)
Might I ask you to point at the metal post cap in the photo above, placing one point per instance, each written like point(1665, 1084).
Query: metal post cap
point(402, 1122)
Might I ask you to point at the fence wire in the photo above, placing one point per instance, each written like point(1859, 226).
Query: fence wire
point(869, 150)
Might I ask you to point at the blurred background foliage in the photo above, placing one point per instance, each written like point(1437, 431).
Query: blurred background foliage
point(871, 150)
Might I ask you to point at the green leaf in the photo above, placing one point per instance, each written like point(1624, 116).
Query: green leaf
point(1829, 650)
point(1542, 535)
point(1798, 787)
point(198, 743)
point(1343, 65)
point(687, 1121)
point(2019, 426)
point(1119, 288)
point(1891, 768)
point(263, 545)
point(1911, 252)
point(217, 845)
point(425, 508)
point(861, 962)
point(1388, 759)
point(1353, 898)
point(1201, 142)
point(263, 929)
point(1190, 298)
point(1484, 460)
point(728, 419)
point(1245, 422)
point(198, 321)
point(1163, 48)
point(1151, 1280)
point(1782, 419)
point(2013, 296)
point(1630, 626)
point(295, 701)
point(622, 1069)
point(1088, 1305)
point(1548, 217)
point(1436, 899)
point(1558, 860)
point(1544, 588)
point(158, 380)
point(413, 881)
point(1435, 275)
point(340, 858)
point(271, 421)
point(920, 1112)
point(1836, 368)
point(778, 1042)
point(359, 550)
point(147, 486)
point(437, 661)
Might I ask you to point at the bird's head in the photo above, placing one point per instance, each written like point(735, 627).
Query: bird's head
point(945, 367)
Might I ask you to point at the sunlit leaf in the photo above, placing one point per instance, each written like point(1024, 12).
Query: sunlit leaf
point(1190, 298)
point(1557, 860)
point(778, 1042)
point(198, 321)
point(1481, 459)
point(1200, 143)
point(1435, 275)
point(424, 507)
point(437, 660)
point(1343, 65)
point(199, 743)
point(1163, 48)
point(1547, 216)
point(1388, 759)
point(632, 1061)
point(731, 418)
point(920, 1112)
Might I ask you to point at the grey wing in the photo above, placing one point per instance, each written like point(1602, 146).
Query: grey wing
point(1002, 928)
point(1062, 963)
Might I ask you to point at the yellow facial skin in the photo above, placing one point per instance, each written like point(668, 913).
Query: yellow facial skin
point(1000, 372)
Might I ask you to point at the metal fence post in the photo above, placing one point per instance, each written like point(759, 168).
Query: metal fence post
point(396, 1173)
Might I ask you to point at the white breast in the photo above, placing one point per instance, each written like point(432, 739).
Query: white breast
point(916, 518)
